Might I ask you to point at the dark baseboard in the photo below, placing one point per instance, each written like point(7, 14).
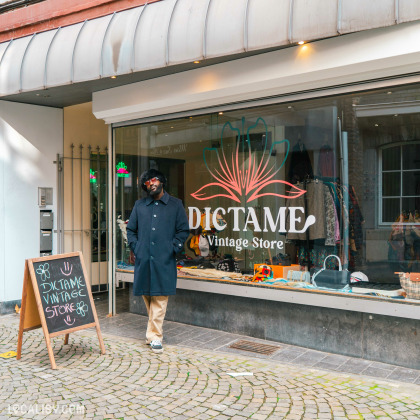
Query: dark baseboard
point(9, 306)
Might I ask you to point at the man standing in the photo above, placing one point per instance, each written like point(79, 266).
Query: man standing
point(156, 232)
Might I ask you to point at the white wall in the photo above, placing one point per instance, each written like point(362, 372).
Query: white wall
point(30, 138)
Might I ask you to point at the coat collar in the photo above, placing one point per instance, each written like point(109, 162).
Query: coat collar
point(164, 199)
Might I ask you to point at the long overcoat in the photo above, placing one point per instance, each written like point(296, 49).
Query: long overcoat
point(156, 232)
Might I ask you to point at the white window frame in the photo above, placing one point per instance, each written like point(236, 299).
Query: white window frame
point(401, 172)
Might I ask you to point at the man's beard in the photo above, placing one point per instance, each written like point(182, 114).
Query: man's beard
point(156, 191)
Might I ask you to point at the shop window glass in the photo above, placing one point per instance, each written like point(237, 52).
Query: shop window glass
point(391, 158)
point(403, 185)
point(411, 156)
point(285, 186)
point(390, 209)
point(411, 182)
point(391, 184)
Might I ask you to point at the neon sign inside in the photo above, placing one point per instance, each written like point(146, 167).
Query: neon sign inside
point(122, 170)
point(92, 177)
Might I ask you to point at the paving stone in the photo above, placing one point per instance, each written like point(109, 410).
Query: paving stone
point(191, 383)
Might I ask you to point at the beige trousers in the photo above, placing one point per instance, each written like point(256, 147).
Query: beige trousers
point(156, 309)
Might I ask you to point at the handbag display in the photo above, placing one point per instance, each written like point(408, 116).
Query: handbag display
point(295, 275)
point(331, 279)
point(411, 284)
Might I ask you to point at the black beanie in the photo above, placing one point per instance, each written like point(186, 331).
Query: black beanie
point(151, 173)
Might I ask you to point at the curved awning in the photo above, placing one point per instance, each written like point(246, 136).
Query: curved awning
point(172, 32)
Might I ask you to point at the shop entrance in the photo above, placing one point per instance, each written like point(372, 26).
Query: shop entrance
point(83, 215)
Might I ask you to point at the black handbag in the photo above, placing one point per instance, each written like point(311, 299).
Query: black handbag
point(332, 279)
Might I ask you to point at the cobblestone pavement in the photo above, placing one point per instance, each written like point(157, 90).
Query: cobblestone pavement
point(130, 381)
point(131, 325)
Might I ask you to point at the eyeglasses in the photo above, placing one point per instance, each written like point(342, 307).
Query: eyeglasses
point(149, 181)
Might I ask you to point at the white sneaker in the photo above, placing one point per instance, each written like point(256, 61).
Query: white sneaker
point(156, 346)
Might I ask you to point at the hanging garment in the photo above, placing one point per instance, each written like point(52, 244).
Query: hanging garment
point(194, 244)
point(314, 197)
point(300, 164)
point(356, 219)
point(203, 245)
point(317, 255)
point(330, 218)
point(326, 162)
point(337, 227)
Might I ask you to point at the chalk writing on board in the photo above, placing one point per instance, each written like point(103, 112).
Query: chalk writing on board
point(69, 320)
point(64, 293)
point(67, 269)
point(43, 271)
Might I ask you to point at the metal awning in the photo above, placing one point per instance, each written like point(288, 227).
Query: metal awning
point(172, 32)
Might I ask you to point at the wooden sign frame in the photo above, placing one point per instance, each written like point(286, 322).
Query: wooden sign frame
point(32, 313)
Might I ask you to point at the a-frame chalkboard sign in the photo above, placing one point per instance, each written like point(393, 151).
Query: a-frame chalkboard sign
point(56, 297)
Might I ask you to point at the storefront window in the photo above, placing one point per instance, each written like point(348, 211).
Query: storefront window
point(400, 181)
point(286, 186)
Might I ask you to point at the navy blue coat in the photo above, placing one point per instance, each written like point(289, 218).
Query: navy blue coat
point(156, 232)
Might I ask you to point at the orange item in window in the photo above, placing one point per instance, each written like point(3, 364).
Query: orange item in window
point(194, 244)
point(415, 276)
point(280, 271)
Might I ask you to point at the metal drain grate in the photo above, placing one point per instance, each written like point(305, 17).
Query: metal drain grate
point(254, 347)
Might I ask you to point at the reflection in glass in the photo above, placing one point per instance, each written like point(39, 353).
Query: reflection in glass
point(391, 158)
point(391, 184)
point(411, 183)
point(411, 156)
point(390, 209)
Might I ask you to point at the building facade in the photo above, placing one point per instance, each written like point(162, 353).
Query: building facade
point(290, 130)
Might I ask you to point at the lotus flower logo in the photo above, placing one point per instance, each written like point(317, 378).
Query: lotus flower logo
point(243, 177)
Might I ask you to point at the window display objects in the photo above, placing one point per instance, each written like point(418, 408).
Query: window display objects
point(412, 288)
point(203, 245)
point(123, 227)
point(263, 273)
point(331, 279)
point(228, 264)
point(298, 275)
point(358, 276)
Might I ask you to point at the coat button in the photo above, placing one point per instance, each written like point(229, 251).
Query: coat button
point(154, 215)
point(156, 203)
point(152, 257)
point(153, 243)
point(153, 229)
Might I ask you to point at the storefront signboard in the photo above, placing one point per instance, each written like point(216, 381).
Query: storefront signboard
point(57, 297)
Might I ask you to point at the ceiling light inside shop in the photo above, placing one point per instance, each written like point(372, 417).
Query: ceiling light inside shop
point(389, 93)
point(220, 113)
point(196, 62)
point(113, 77)
point(376, 125)
point(301, 42)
